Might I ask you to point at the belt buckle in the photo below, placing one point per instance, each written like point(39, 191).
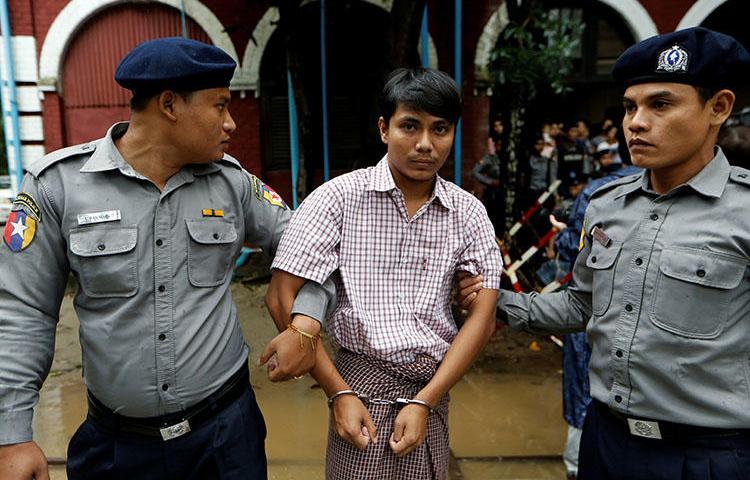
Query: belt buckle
point(644, 428)
point(173, 431)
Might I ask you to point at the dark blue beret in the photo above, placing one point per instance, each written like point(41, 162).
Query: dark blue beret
point(174, 63)
point(695, 56)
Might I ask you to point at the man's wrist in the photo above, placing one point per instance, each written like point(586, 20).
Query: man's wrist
point(306, 324)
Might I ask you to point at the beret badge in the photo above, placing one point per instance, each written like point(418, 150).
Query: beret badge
point(672, 60)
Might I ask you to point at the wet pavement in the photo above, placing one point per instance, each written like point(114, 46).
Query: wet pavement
point(505, 419)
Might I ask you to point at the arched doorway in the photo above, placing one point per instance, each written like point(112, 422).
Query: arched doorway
point(92, 101)
point(356, 48)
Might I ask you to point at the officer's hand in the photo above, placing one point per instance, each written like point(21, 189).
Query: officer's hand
point(409, 429)
point(352, 421)
point(23, 461)
point(294, 353)
point(468, 287)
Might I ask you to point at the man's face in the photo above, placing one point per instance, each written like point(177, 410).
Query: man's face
point(583, 130)
point(498, 127)
point(539, 146)
point(665, 124)
point(573, 134)
point(205, 124)
point(418, 143)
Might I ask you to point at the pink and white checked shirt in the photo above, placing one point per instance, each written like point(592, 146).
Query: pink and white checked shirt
point(395, 273)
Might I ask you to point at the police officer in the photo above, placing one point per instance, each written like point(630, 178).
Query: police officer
point(149, 219)
point(661, 282)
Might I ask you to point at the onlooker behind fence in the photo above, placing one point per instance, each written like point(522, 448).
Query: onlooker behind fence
point(542, 168)
point(606, 123)
point(498, 128)
point(571, 156)
point(487, 172)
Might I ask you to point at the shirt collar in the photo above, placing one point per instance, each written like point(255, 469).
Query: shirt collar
point(381, 180)
point(106, 156)
point(709, 182)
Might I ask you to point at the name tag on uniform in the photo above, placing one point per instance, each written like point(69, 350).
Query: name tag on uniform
point(99, 217)
point(644, 428)
point(600, 236)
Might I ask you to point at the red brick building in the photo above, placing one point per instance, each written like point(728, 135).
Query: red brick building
point(65, 52)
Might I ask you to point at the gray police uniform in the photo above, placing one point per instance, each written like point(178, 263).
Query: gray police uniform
point(159, 329)
point(662, 289)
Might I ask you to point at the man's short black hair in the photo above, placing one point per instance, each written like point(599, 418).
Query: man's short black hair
point(423, 89)
point(706, 94)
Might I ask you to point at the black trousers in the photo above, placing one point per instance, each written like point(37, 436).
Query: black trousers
point(609, 452)
point(229, 446)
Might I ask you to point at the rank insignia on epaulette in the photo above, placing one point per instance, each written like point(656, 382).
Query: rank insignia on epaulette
point(210, 212)
point(19, 230)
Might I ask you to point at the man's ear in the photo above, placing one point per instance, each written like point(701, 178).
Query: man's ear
point(721, 106)
point(383, 127)
point(166, 103)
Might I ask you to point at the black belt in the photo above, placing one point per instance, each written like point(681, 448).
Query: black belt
point(667, 430)
point(176, 424)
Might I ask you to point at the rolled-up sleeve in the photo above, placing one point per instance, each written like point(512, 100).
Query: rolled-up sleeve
point(310, 245)
point(481, 255)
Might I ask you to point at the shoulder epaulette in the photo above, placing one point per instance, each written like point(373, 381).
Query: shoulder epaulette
point(37, 167)
point(740, 175)
point(615, 183)
point(230, 160)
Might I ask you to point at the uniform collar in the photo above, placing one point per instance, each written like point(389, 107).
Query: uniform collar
point(106, 157)
point(381, 180)
point(709, 182)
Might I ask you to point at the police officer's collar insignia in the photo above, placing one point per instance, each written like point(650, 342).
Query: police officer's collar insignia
point(673, 60)
point(19, 230)
point(25, 202)
point(266, 193)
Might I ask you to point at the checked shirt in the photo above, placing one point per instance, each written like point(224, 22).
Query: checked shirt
point(395, 273)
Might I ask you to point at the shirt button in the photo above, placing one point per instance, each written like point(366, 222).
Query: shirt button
point(101, 247)
point(639, 261)
point(165, 387)
point(654, 217)
point(701, 273)
point(162, 288)
point(618, 399)
point(593, 259)
point(628, 308)
point(162, 337)
point(159, 243)
point(216, 236)
point(619, 353)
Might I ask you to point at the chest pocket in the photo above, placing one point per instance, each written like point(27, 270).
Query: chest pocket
point(106, 260)
point(210, 250)
point(602, 260)
point(693, 290)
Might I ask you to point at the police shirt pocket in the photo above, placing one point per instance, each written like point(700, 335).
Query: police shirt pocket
point(106, 259)
point(209, 250)
point(692, 291)
point(602, 260)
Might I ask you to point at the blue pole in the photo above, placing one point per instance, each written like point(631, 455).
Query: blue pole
point(324, 88)
point(182, 18)
point(293, 136)
point(457, 68)
point(425, 41)
point(10, 107)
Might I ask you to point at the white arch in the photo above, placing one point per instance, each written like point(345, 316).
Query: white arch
point(77, 12)
point(636, 17)
point(632, 12)
point(487, 41)
point(698, 13)
point(267, 25)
